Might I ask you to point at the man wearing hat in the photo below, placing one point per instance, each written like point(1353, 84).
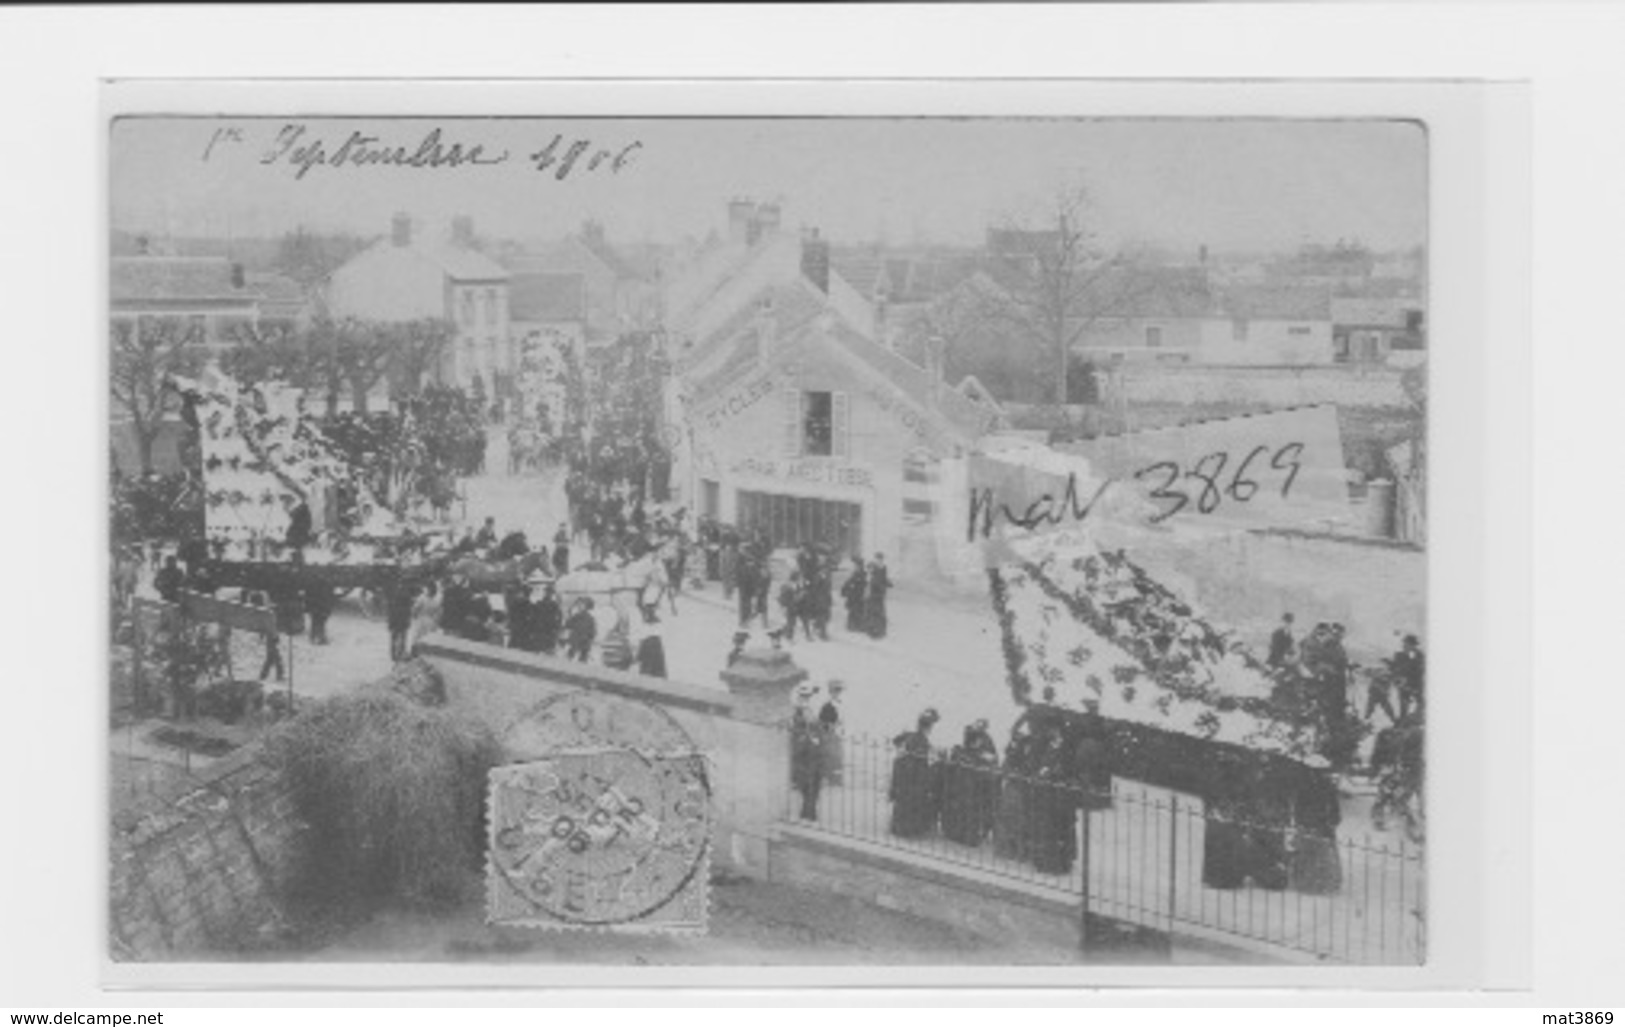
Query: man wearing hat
point(1408, 665)
point(807, 741)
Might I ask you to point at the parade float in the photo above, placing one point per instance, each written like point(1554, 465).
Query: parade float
point(1095, 646)
point(262, 458)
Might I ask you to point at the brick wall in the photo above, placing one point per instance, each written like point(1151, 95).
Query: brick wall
point(203, 870)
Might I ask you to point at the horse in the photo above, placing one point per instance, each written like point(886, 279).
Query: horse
point(498, 575)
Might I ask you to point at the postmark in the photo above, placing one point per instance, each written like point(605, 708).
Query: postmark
point(607, 827)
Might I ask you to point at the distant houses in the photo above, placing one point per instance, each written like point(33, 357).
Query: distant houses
point(407, 278)
point(211, 294)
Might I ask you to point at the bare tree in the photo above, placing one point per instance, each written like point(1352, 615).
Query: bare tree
point(1056, 281)
point(146, 352)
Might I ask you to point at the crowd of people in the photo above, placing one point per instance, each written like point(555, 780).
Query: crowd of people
point(1026, 802)
point(1315, 674)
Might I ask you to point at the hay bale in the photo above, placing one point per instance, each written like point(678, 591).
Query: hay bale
point(394, 794)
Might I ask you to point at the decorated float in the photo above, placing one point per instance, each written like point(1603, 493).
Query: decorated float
point(263, 458)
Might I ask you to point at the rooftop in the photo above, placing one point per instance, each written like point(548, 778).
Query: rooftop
point(186, 279)
point(547, 297)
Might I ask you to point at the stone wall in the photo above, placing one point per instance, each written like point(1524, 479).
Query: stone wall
point(203, 872)
point(1268, 386)
point(750, 757)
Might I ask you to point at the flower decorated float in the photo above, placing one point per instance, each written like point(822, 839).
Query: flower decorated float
point(264, 463)
point(1137, 676)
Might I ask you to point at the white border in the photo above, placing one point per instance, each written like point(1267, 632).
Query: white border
point(1460, 897)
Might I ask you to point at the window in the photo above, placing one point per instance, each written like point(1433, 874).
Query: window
point(1238, 330)
point(1153, 336)
point(918, 512)
point(490, 302)
point(921, 468)
point(817, 424)
point(465, 312)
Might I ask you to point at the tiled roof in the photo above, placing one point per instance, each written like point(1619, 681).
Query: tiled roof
point(184, 279)
point(543, 297)
point(1277, 303)
point(964, 413)
point(280, 296)
point(461, 263)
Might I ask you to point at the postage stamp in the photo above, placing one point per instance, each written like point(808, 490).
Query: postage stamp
point(610, 830)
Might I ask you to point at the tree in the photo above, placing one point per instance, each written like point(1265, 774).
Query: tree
point(308, 257)
point(1056, 281)
point(270, 352)
point(417, 348)
point(146, 352)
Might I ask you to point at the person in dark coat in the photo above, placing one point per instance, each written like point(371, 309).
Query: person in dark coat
point(299, 524)
point(548, 616)
point(454, 605)
point(1054, 802)
point(652, 657)
point(1283, 647)
point(170, 580)
point(913, 791)
point(970, 787)
point(398, 613)
point(561, 551)
point(1409, 666)
point(790, 594)
point(580, 631)
point(486, 537)
point(807, 741)
point(521, 621)
point(875, 604)
point(319, 601)
point(855, 592)
point(738, 650)
point(273, 645)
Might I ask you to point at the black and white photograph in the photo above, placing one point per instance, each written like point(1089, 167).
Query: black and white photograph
point(554, 539)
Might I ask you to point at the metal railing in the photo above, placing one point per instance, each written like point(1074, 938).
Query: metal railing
point(1155, 859)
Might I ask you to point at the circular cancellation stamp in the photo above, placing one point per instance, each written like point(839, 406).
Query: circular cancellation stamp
point(607, 823)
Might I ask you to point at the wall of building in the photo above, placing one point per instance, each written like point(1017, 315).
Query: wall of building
point(204, 872)
point(740, 441)
point(1128, 336)
point(1247, 580)
point(1266, 342)
point(1269, 386)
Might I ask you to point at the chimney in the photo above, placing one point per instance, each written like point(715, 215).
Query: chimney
point(462, 231)
point(741, 212)
point(400, 229)
point(815, 260)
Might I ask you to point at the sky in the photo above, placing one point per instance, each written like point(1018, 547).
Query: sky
point(1230, 184)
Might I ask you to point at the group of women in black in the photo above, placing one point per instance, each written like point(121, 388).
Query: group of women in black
point(1028, 804)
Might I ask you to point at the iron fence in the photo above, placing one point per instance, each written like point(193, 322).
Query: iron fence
point(1138, 855)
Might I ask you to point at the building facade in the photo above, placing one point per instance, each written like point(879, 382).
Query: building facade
point(402, 279)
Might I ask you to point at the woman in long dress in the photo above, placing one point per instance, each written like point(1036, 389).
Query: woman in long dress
point(914, 793)
point(970, 787)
